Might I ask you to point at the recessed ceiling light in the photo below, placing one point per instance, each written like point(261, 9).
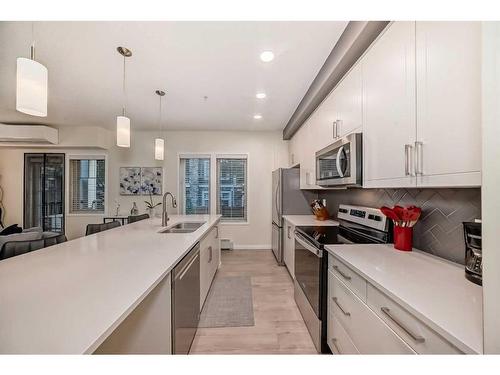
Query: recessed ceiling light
point(260, 95)
point(267, 56)
point(257, 117)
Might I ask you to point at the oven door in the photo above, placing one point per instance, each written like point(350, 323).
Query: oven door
point(340, 163)
point(308, 271)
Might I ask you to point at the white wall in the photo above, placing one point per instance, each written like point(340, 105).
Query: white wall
point(266, 151)
point(491, 181)
point(11, 180)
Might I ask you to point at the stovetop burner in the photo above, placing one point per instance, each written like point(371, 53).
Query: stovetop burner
point(358, 225)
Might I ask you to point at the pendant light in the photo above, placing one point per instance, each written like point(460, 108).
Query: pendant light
point(32, 82)
point(160, 142)
point(123, 122)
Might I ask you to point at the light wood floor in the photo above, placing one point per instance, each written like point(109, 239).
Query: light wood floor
point(279, 328)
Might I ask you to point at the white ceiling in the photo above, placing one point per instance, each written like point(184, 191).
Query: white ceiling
point(189, 60)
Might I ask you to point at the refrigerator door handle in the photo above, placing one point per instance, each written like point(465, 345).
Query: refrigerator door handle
point(276, 199)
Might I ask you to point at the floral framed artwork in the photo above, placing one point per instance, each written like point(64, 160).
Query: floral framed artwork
point(151, 180)
point(130, 180)
point(141, 180)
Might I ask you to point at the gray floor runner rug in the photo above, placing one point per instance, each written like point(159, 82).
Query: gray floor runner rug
point(229, 303)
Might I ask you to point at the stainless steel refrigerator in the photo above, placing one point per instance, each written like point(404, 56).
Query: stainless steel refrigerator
point(288, 199)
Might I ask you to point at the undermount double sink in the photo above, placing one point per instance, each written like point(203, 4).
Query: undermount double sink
point(184, 227)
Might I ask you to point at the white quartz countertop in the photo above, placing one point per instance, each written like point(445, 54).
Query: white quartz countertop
point(306, 220)
point(69, 297)
point(434, 290)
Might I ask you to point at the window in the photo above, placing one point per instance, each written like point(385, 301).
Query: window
point(195, 185)
point(231, 188)
point(87, 185)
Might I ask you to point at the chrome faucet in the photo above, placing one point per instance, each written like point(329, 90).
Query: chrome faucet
point(164, 215)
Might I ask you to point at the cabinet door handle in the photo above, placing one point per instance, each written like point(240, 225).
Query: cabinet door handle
point(347, 277)
point(288, 232)
point(414, 336)
point(346, 313)
point(338, 129)
point(217, 233)
point(408, 149)
point(334, 128)
point(209, 254)
point(334, 343)
point(419, 158)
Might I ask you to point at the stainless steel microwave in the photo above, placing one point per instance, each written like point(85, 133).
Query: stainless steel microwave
point(340, 164)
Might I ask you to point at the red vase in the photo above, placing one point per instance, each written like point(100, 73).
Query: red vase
point(403, 238)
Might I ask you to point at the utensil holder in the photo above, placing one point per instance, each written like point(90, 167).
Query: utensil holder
point(403, 238)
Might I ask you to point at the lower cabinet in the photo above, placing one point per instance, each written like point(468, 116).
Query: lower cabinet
point(362, 319)
point(368, 333)
point(338, 339)
point(289, 248)
point(209, 261)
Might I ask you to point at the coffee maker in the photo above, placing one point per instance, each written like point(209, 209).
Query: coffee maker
point(473, 252)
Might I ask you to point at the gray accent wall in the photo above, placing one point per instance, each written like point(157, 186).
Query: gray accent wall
point(439, 230)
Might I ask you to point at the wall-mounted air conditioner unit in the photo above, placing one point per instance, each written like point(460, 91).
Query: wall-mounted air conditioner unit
point(28, 134)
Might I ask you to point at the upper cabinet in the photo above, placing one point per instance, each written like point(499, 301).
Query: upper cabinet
point(416, 96)
point(348, 101)
point(341, 112)
point(448, 56)
point(389, 108)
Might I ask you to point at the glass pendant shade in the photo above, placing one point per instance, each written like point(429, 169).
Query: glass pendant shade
point(122, 131)
point(31, 93)
point(159, 149)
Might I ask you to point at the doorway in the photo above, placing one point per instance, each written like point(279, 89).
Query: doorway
point(44, 191)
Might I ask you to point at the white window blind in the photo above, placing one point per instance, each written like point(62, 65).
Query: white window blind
point(195, 185)
point(87, 185)
point(232, 188)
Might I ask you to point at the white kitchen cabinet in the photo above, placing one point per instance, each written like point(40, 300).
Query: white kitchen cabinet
point(289, 248)
point(419, 337)
point(322, 121)
point(388, 70)
point(341, 112)
point(448, 63)
point(348, 103)
point(209, 261)
point(338, 339)
point(362, 318)
point(368, 333)
point(303, 147)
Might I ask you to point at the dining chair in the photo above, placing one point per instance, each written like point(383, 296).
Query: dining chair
point(133, 219)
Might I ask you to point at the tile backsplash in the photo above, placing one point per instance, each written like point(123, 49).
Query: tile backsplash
point(439, 230)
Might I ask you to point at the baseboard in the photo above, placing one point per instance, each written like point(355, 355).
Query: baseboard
point(252, 247)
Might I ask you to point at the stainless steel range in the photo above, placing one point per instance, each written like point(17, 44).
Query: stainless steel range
point(358, 225)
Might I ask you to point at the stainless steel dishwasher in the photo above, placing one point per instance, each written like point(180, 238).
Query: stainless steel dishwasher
point(186, 301)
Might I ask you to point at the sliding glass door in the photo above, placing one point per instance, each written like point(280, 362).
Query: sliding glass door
point(44, 191)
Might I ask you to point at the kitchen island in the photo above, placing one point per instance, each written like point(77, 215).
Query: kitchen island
point(68, 298)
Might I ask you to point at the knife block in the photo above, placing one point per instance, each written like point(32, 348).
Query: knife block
point(322, 214)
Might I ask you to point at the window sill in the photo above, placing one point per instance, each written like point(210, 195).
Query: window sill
point(222, 222)
point(85, 214)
